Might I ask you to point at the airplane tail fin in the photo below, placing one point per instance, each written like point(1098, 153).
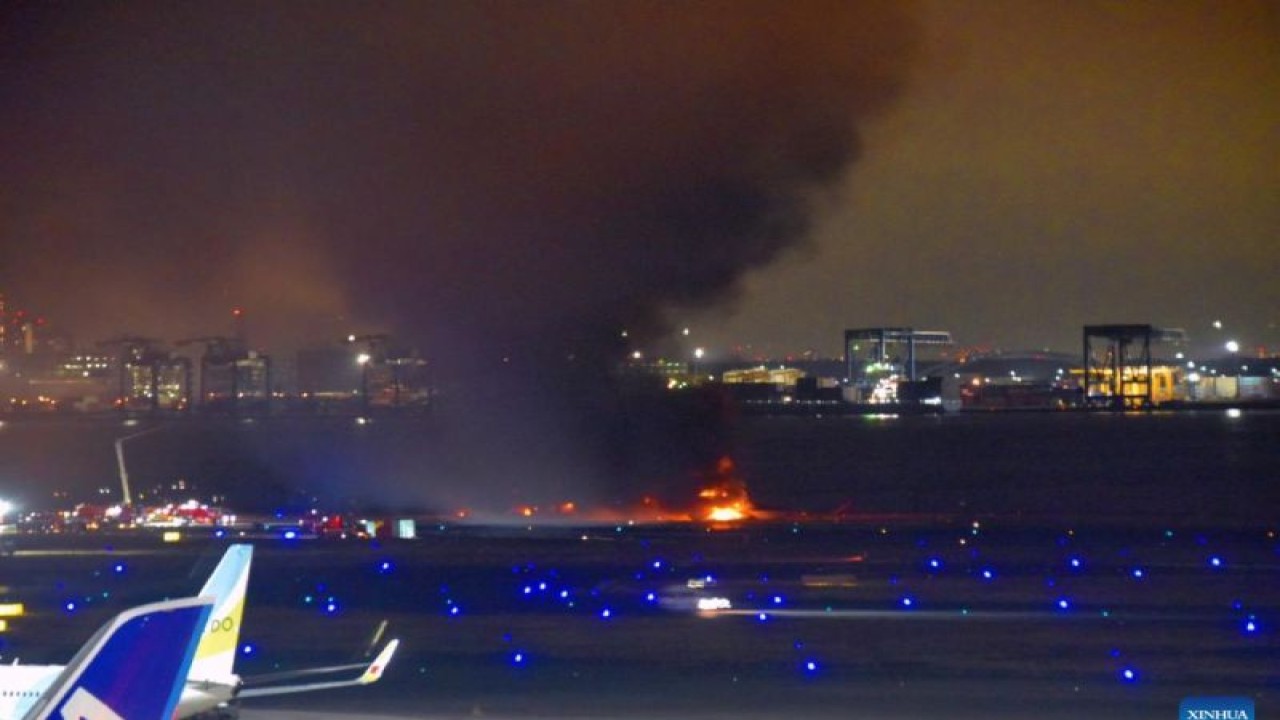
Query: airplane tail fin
point(216, 654)
point(133, 668)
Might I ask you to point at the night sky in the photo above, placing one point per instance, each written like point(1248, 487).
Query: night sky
point(491, 178)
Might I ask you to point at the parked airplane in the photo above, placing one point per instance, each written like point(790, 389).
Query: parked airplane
point(133, 668)
point(212, 684)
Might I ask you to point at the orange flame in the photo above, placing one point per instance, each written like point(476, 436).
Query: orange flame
point(726, 501)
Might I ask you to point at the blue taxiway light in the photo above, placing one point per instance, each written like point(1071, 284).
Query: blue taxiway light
point(248, 649)
point(988, 574)
point(777, 599)
point(1064, 604)
point(908, 601)
point(1138, 573)
point(517, 658)
point(606, 613)
point(1215, 562)
point(1129, 675)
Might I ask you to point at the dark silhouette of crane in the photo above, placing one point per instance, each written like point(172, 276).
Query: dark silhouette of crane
point(136, 351)
point(398, 371)
point(229, 353)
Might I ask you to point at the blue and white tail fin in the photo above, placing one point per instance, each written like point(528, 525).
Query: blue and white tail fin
point(133, 668)
point(216, 654)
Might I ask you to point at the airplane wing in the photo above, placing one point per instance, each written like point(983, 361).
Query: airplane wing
point(134, 667)
point(272, 678)
point(372, 672)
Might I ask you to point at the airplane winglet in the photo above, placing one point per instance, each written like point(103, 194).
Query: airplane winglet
point(374, 672)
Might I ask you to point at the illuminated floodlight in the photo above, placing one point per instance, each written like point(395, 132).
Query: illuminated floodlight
point(1232, 346)
point(5, 507)
point(363, 358)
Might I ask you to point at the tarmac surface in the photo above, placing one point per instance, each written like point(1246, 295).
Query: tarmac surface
point(889, 619)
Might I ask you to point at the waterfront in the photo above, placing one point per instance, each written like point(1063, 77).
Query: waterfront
point(1189, 467)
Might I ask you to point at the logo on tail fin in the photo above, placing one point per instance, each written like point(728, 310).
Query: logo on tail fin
point(82, 705)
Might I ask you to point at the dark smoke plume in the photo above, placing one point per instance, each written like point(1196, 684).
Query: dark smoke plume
point(502, 184)
point(475, 175)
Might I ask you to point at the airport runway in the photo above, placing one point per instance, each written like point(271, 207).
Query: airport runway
point(858, 620)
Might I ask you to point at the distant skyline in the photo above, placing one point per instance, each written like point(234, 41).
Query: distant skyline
point(493, 175)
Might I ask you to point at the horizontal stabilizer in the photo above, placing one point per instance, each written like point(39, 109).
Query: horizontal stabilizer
point(372, 673)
